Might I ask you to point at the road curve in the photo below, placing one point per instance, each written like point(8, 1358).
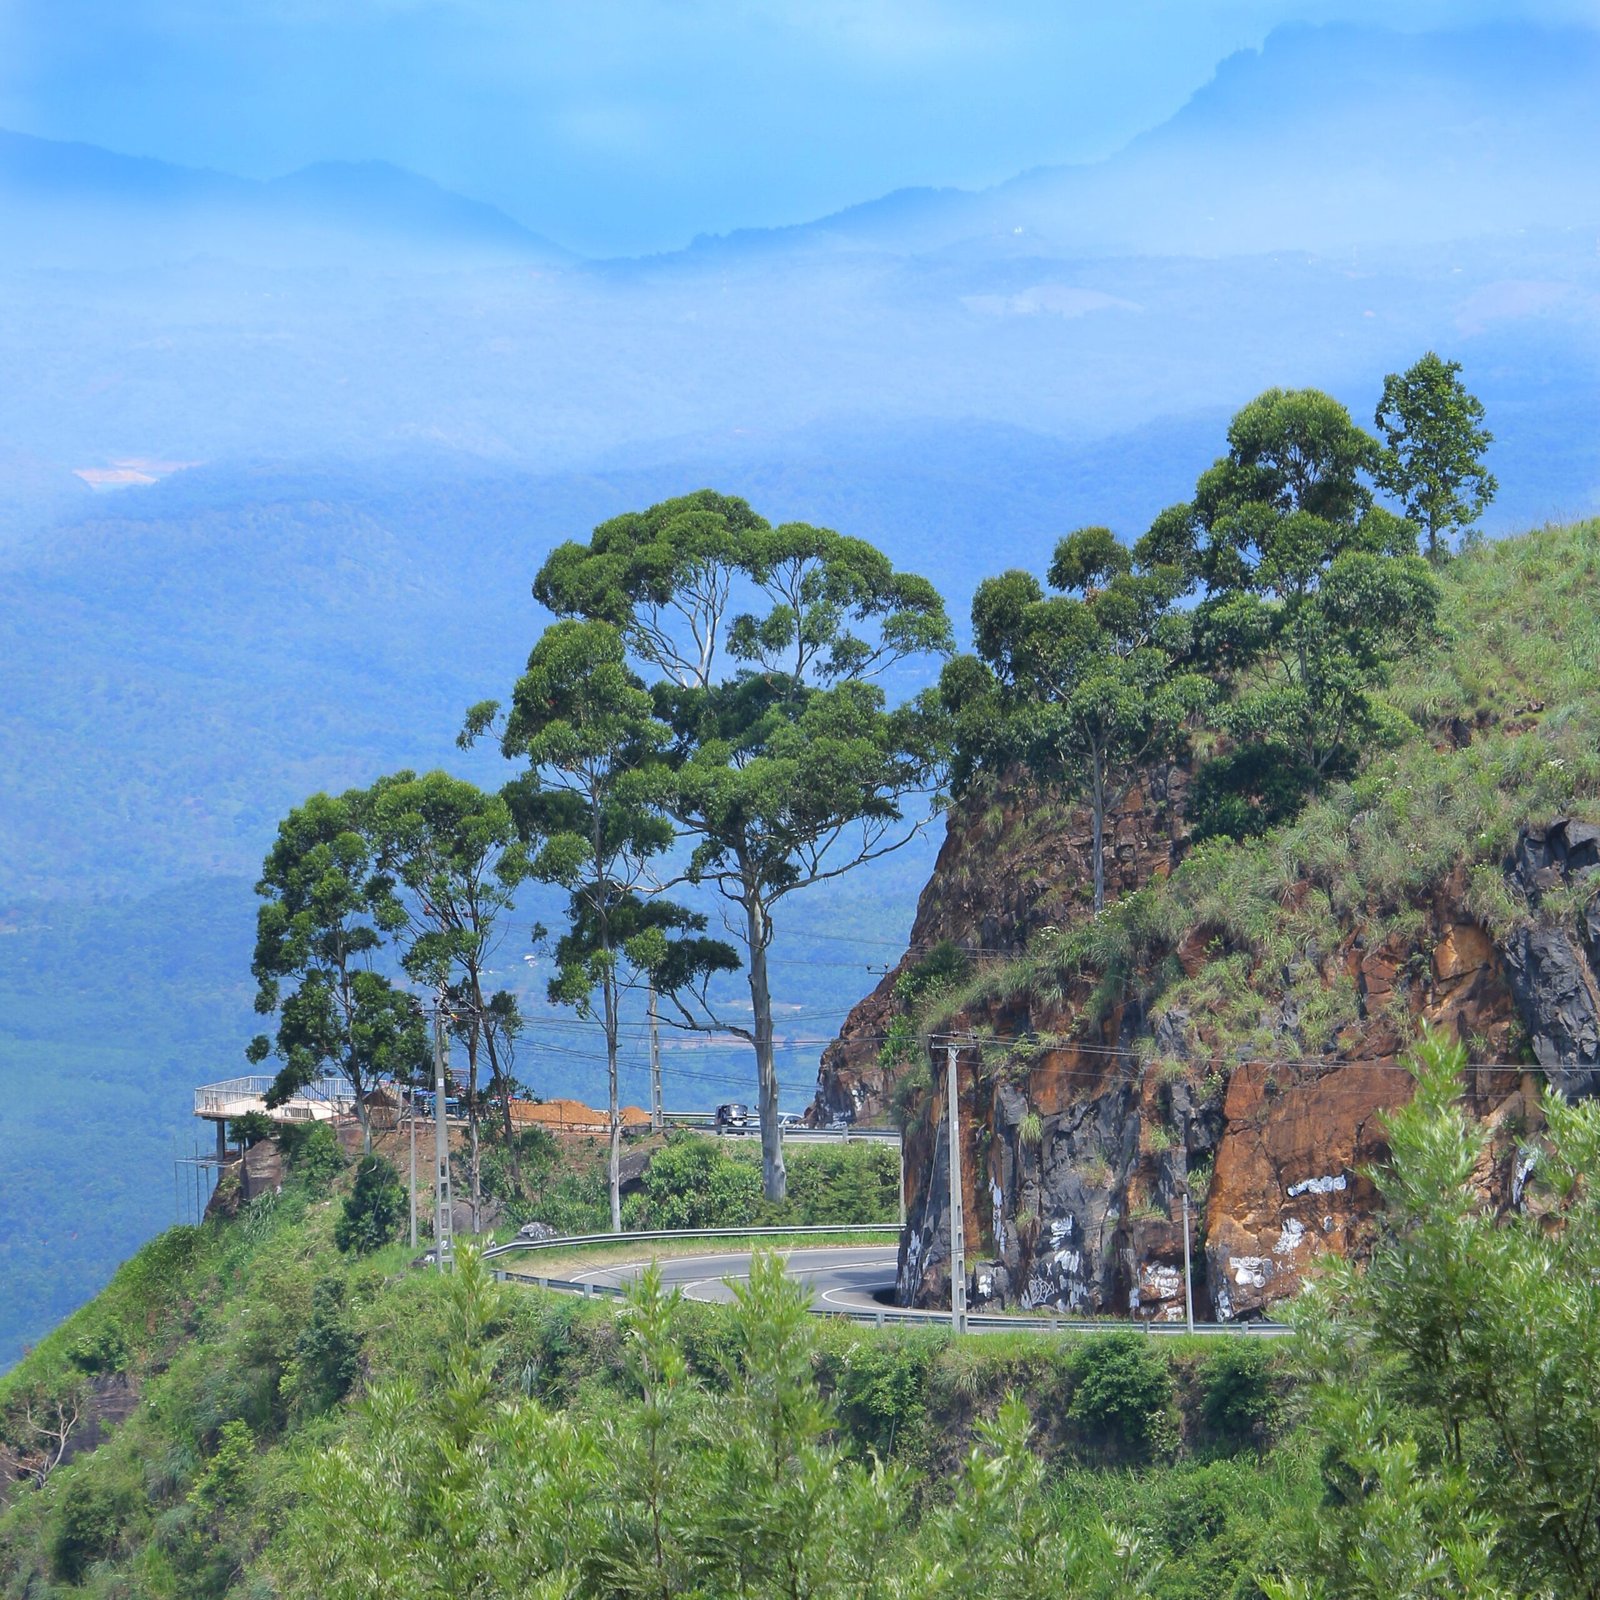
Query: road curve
point(846, 1277)
point(856, 1280)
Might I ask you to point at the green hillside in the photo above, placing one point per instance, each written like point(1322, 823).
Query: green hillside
point(1497, 727)
point(246, 1411)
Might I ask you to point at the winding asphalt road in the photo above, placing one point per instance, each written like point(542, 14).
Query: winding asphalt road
point(846, 1277)
point(857, 1280)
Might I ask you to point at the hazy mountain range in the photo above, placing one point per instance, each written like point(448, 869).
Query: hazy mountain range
point(355, 409)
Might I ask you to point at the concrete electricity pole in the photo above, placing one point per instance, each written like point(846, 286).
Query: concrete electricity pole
point(958, 1223)
point(411, 1120)
point(657, 1115)
point(443, 1243)
point(1188, 1285)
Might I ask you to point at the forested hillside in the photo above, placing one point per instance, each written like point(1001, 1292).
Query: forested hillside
point(250, 1410)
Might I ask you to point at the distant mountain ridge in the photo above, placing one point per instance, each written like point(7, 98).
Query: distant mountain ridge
point(1326, 137)
point(61, 197)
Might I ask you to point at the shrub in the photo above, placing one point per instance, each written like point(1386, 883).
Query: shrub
point(326, 1353)
point(1241, 1403)
point(536, 1151)
point(1244, 793)
point(944, 966)
point(694, 1182)
point(374, 1210)
point(251, 1128)
point(103, 1349)
point(843, 1183)
point(880, 1390)
point(222, 1485)
point(1122, 1395)
point(312, 1153)
point(88, 1520)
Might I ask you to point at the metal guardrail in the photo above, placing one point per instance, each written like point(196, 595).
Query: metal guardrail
point(878, 1316)
point(845, 1131)
point(578, 1241)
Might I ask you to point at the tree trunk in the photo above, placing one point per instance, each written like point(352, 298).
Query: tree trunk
point(363, 1111)
point(503, 1083)
point(1098, 808)
point(352, 1070)
point(774, 1178)
point(615, 1167)
point(474, 1143)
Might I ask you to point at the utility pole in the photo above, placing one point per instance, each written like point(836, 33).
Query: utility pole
point(411, 1119)
point(657, 1115)
point(443, 1250)
point(1188, 1285)
point(958, 1224)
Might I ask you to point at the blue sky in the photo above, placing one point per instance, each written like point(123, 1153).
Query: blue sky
point(631, 125)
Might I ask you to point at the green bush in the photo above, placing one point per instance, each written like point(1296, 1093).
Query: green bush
point(1244, 793)
point(251, 1128)
point(1122, 1396)
point(103, 1349)
point(944, 966)
point(375, 1209)
point(1240, 1405)
point(843, 1183)
point(695, 1182)
point(327, 1354)
point(880, 1386)
point(88, 1520)
point(312, 1154)
point(536, 1152)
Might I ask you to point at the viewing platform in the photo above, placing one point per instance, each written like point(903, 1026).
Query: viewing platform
point(320, 1101)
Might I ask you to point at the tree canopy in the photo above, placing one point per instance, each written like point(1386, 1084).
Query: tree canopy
point(1434, 440)
point(1083, 688)
point(328, 907)
point(1309, 591)
point(788, 766)
point(591, 805)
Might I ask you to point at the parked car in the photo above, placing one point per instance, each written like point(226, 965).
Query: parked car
point(732, 1115)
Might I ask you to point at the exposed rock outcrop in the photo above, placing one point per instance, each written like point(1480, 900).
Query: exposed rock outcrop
point(1004, 871)
point(1554, 963)
point(1084, 1123)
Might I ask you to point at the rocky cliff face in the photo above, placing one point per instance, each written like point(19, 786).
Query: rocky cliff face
point(1083, 1123)
point(1006, 869)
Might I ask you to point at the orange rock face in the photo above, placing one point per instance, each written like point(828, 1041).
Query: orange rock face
point(995, 883)
point(1076, 1153)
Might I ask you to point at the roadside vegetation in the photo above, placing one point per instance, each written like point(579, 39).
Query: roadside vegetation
point(293, 1420)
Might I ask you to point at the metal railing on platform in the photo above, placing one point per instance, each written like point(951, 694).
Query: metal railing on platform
point(233, 1097)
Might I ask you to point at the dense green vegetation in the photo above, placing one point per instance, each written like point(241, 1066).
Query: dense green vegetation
point(305, 1422)
point(1364, 852)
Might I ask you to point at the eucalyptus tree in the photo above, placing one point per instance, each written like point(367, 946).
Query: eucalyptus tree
point(456, 857)
point(585, 724)
point(1310, 591)
point(787, 765)
point(1433, 444)
point(1085, 687)
point(329, 907)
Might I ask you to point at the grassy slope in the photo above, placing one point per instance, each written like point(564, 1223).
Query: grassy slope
point(1518, 665)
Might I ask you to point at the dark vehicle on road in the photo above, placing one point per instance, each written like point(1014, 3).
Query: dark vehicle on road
point(731, 1115)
